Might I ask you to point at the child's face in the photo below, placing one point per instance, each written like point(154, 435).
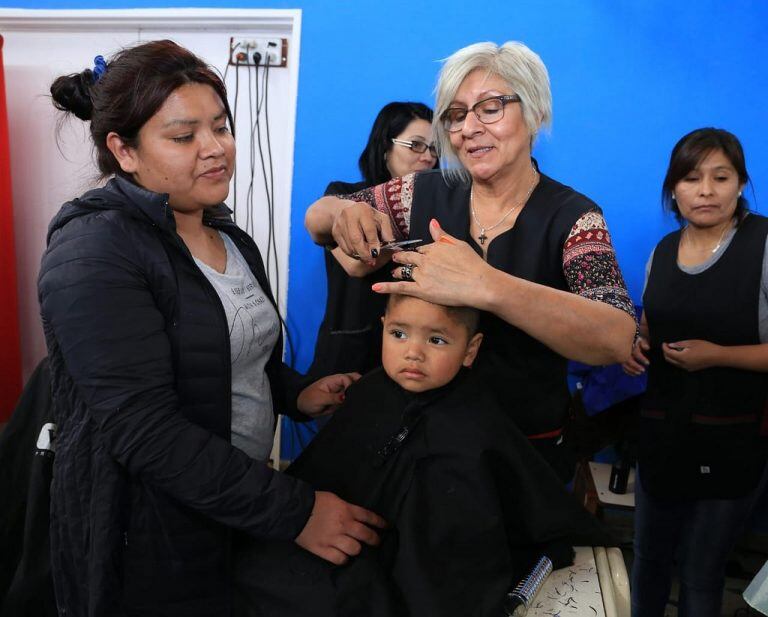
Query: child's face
point(423, 346)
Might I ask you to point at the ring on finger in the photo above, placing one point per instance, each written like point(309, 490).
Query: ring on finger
point(406, 272)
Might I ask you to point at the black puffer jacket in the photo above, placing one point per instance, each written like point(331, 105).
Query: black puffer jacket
point(147, 488)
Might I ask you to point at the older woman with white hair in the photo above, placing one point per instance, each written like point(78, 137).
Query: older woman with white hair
point(535, 255)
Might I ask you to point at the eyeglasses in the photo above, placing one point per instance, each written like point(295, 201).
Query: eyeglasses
point(419, 147)
point(488, 111)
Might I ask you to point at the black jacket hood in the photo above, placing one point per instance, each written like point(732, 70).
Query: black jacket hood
point(135, 201)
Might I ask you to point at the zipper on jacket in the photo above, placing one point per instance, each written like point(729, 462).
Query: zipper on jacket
point(214, 297)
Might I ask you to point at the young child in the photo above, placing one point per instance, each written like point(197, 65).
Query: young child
point(470, 504)
point(425, 345)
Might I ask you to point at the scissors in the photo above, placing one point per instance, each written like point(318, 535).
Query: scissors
point(398, 245)
point(395, 245)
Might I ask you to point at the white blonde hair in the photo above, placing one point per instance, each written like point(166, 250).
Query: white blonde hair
point(513, 62)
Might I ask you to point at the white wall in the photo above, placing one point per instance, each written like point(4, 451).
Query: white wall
point(40, 45)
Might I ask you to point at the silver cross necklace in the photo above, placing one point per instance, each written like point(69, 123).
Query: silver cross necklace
point(483, 237)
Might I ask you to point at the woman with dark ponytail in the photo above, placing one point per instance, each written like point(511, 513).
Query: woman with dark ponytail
point(703, 429)
point(165, 353)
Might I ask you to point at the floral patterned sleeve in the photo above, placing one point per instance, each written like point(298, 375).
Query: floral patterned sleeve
point(590, 266)
point(393, 198)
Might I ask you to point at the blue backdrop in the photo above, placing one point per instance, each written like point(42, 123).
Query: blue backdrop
point(628, 79)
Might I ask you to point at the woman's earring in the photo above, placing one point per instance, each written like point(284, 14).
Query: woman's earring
point(673, 197)
point(739, 193)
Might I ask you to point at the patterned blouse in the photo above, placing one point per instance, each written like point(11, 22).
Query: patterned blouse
point(589, 260)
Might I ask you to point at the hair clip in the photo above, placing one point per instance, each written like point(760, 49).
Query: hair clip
point(99, 68)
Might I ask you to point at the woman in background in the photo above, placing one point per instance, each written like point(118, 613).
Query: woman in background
point(349, 338)
point(703, 340)
point(165, 354)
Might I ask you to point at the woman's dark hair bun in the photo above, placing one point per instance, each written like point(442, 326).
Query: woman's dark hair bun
point(72, 93)
point(121, 95)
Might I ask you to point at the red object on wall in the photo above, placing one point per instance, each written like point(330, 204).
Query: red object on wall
point(10, 345)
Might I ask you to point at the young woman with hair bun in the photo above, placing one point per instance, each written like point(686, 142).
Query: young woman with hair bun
point(165, 352)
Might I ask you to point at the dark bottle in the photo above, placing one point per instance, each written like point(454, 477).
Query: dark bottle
point(619, 476)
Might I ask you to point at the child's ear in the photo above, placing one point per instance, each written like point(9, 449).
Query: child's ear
point(472, 348)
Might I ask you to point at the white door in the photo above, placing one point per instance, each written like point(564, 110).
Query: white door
point(47, 171)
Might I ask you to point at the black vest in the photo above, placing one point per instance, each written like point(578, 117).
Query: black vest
point(526, 377)
point(699, 431)
point(349, 337)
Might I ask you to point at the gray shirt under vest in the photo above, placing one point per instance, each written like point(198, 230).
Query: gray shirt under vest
point(762, 314)
point(253, 331)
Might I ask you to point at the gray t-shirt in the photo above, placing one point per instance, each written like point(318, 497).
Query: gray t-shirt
point(253, 332)
point(762, 314)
